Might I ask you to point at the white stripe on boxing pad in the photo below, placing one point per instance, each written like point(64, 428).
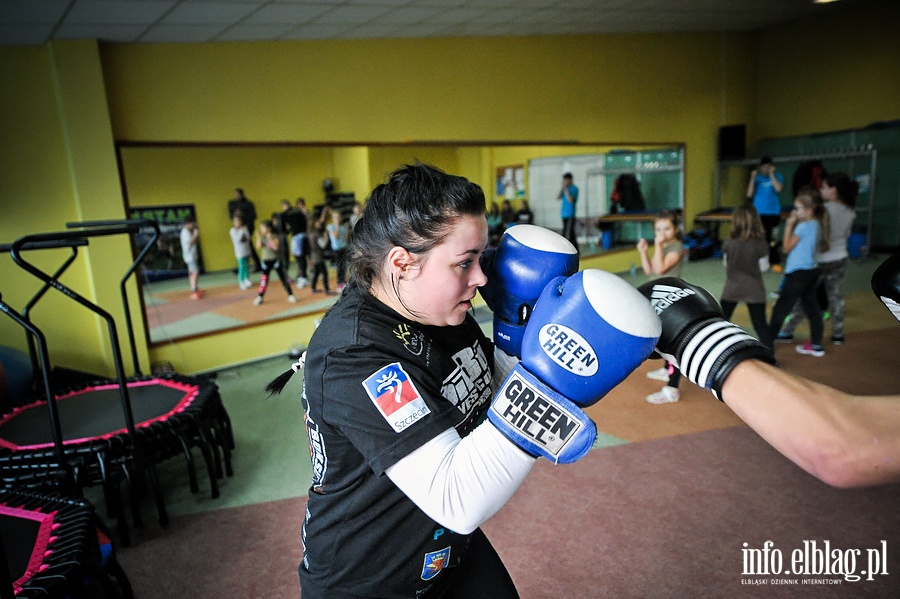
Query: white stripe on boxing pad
point(707, 345)
point(725, 343)
point(620, 304)
point(539, 238)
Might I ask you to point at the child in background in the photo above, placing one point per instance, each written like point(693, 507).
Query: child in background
point(240, 238)
point(318, 241)
point(190, 253)
point(268, 244)
point(668, 254)
point(805, 233)
point(839, 192)
point(339, 236)
point(746, 257)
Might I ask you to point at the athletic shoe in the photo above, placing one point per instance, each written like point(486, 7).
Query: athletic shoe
point(808, 349)
point(258, 300)
point(196, 295)
point(660, 374)
point(302, 282)
point(665, 395)
point(777, 268)
point(774, 295)
point(292, 299)
point(837, 340)
point(826, 315)
point(784, 338)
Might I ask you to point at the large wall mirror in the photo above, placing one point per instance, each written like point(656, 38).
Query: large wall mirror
point(167, 182)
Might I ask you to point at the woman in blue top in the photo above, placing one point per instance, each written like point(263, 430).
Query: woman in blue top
point(803, 237)
point(568, 194)
point(763, 188)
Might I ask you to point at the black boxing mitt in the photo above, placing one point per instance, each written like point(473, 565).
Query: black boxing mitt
point(695, 337)
point(886, 284)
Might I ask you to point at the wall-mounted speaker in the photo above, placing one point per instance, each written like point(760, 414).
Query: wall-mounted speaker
point(733, 142)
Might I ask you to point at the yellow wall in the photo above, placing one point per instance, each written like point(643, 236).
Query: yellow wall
point(60, 123)
point(839, 71)
point(58, 166)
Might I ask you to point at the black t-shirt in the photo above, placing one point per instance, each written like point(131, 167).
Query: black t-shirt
point(376, 387)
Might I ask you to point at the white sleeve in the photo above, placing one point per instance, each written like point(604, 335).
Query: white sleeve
point(503, 365)
point(462, 482)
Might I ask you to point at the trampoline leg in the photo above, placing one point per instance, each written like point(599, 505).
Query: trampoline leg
point(211, 463)
point(227, 444)
point(115, 507)
point(157, 494)
point(191, 466)
point(133, 486)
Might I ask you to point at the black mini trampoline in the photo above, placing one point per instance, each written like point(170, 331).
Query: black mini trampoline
point(53, 548)
point(171, 415)
point(107, 432)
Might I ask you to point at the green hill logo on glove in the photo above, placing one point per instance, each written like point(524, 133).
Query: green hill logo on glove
point(568, 349)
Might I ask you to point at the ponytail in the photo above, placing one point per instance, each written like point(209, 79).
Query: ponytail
point(278, 383)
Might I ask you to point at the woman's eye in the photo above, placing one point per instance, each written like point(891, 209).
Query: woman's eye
point(465, 265)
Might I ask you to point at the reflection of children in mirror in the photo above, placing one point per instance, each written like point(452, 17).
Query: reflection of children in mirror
point(190, 253)
point(240, 238)
point(268, 244)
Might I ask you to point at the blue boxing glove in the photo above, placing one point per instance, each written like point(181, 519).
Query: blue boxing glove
point(587, 333)
point(525, 260)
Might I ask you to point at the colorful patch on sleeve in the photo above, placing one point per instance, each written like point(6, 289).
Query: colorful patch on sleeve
point(396, 397)
point(435, 562)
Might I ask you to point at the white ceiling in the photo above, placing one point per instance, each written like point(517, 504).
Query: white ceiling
point(24, 22)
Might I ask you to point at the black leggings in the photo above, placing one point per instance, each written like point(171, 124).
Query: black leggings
point(757, 317)
point(800, 284)
point(267, 267)
point(770, 223)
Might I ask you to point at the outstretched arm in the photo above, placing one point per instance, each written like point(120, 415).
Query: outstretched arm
point(844, 440)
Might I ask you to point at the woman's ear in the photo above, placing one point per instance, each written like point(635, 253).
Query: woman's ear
point(398, 260)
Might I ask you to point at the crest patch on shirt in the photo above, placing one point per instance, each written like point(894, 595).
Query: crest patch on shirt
point(435, 562)
point(396, 397)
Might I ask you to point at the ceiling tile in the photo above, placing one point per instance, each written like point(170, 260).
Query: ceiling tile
point(100, 12)
point(352, 15)
point(254, 31)
point(31, 11)
point(278, 12)
point(316, 31)
point(25, 35)
point(412, 14)
point(210, 13)
point(169, 33)
point(105, 32)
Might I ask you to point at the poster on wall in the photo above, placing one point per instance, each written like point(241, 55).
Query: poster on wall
point(511, 182)
point(164, 260)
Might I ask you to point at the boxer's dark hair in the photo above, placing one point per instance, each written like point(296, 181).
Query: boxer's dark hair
point(415, 209)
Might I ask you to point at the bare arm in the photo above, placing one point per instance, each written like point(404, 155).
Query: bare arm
point(645, 260)
point(844, 440)
point(776, 184)
point(750, 184)
point(662, 262)
point(790, 240)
